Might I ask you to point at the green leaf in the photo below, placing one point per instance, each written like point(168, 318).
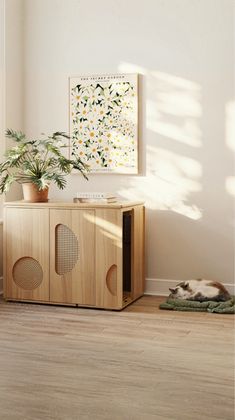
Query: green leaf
point(5, 183)
point(15, 135)
point(59, 180)
point(39, 161)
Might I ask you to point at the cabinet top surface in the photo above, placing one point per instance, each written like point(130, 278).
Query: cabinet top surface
point(71, 205)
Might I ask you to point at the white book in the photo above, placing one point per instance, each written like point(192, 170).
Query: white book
point(95, 195)
point(95, 200)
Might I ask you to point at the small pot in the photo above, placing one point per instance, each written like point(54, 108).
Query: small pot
point(32, 194)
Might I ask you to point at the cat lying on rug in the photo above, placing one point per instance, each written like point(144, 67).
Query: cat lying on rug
point(200, 290)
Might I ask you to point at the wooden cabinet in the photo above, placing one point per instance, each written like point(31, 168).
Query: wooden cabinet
point(74, 254)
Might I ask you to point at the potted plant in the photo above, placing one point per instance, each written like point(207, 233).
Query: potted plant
point(37, 163)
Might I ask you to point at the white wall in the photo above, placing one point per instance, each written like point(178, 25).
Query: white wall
point(14, 70)
point(11, 85)
point(2, 112)
point(2, 85)
point(185, 53)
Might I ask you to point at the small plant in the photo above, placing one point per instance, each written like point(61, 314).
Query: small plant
point(38, 161)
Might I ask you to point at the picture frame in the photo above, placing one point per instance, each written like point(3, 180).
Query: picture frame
point(104, 122)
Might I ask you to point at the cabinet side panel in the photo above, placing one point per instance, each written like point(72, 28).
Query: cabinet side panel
point(27, 254)
point(108, 258)
point(138, 237)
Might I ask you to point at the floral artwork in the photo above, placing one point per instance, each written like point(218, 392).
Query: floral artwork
point(103, 122)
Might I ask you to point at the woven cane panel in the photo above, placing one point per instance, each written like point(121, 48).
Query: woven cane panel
point(27, 273)
point(67, 249)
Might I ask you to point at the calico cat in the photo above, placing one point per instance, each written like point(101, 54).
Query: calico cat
point(200, 290)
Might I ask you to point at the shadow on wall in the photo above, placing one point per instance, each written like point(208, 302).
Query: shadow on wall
point(173, 112)
point(188, 178)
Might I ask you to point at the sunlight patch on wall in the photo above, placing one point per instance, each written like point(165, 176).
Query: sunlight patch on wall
point(230, 185)
point(125, 67)
point(187, 133)
point(173, 105)
point(173, 80)
point(177, 96)
point(169, 183)
point(173, 112)
point(174, 108)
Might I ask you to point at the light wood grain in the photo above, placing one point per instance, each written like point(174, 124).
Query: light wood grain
point(71, 205)
point(79, 285)
point(61, 363)
point(96, 277)
point(26, 234)
point(108, 254)
point(138, 266)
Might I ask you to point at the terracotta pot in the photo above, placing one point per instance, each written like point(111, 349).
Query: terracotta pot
point(33, 195)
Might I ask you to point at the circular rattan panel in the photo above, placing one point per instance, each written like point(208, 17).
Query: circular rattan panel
point(27, 273)
point(67, 249)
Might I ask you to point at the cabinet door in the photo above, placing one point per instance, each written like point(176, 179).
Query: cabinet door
point(72, 241)
point(109, 258)
point(27, 254)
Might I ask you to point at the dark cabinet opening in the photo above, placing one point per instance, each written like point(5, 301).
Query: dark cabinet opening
point(126, 246)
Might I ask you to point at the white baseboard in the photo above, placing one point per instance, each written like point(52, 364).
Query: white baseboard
point(1, 285)
point(160, 287)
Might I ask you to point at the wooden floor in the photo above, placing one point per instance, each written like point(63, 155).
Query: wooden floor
point(66, 363)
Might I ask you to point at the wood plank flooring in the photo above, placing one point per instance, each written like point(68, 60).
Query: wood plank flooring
point(62, 363)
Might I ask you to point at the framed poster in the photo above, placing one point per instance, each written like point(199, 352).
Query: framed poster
point(104, 122)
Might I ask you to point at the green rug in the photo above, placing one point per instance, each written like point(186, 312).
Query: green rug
point(227, 307)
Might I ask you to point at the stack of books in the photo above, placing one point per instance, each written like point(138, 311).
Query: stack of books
point(95, 197)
